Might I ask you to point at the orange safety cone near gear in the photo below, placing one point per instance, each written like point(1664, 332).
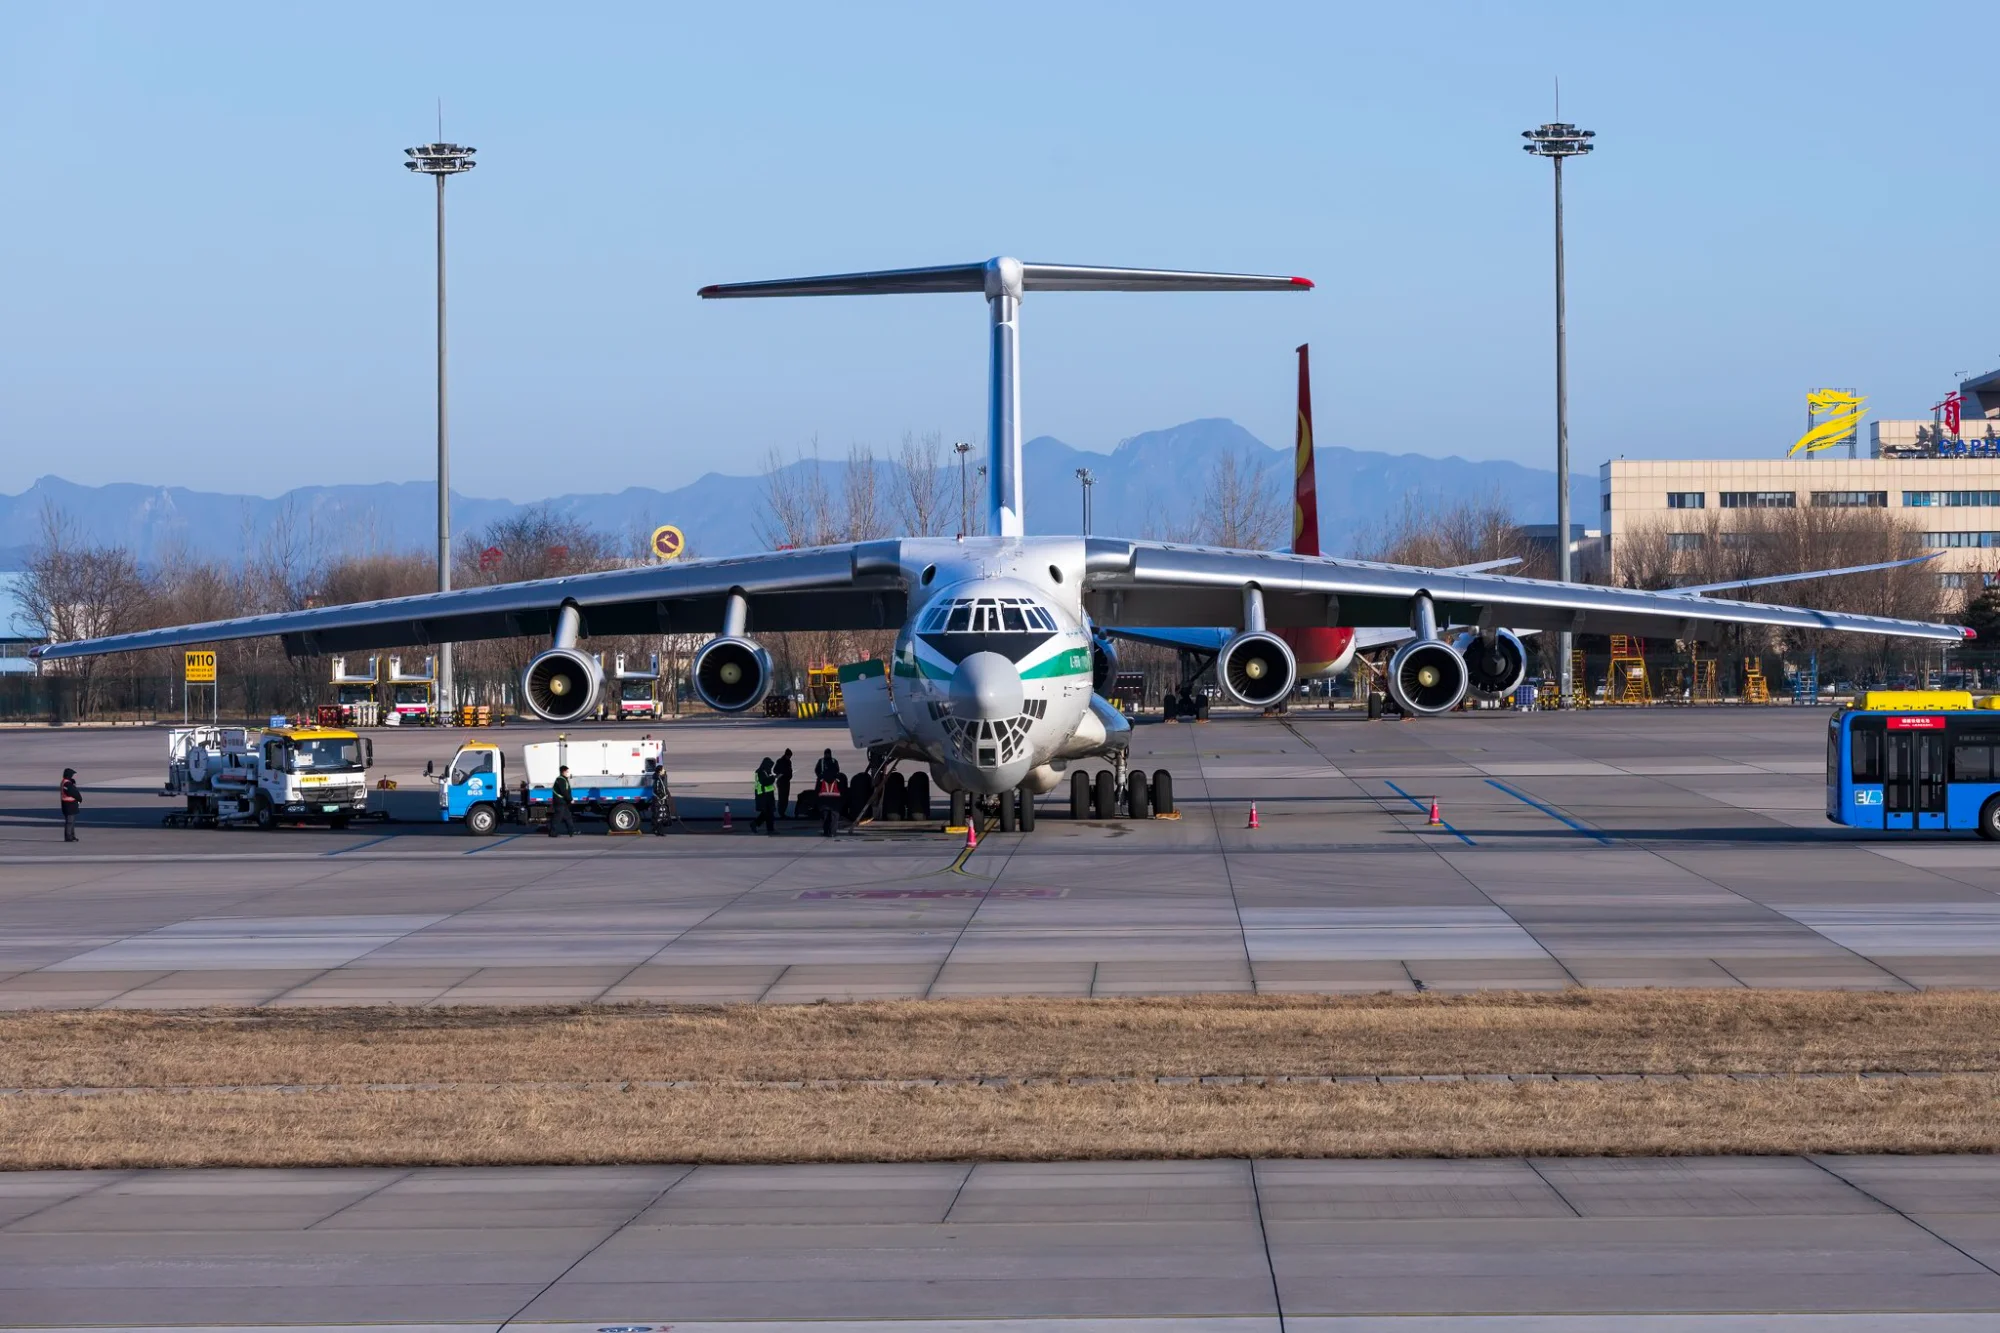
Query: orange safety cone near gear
point(727, 822)
point(1435, 821)
point(1253, 816)
point(971, 831)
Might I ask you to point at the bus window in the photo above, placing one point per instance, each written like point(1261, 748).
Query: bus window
point(1972, 757)
point(1865, 745)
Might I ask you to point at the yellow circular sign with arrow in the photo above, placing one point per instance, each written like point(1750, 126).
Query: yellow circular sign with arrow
point(668, 542)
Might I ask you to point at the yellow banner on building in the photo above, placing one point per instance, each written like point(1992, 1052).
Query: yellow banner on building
point(1833, 417)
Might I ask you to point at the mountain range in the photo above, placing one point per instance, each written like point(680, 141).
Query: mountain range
point(1151, 484)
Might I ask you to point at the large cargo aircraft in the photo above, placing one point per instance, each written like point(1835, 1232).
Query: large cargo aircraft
point(992, 684)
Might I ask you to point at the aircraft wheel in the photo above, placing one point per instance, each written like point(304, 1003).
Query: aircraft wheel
point(895, 791)
point(1989, 820)
point(1137, 799)
point(481, 820)
point(1105, 802)
point(1201, 709)
point(859, 789)
point(958, 810)
point(1009, 810)
point(1027, 799)
point(1163, 792)
point(624, 817)
point(917, 797)
point(1079, 794)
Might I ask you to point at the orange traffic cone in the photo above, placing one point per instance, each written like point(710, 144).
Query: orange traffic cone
point(727, 822)
point(1435, 821)
point(1253, 816)
point(971, 830)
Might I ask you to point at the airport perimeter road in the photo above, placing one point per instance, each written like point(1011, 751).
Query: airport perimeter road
point(1160, 1247)
point(1611, 848)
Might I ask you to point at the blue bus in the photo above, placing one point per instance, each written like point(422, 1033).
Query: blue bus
point(1914, 760)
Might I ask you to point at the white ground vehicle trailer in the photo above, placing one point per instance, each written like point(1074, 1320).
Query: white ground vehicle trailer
point(288, 775)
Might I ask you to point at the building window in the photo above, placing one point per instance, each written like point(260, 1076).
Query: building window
point(1684, 541)
point(1851, 499)
point(1951, 580)
point(1744, 540)
point(1687, 499)
point(1945, 540)
point(1759, 499)
point(1951, 499)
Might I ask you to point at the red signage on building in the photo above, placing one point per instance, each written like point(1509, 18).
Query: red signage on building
point(1954, 404)
point(1916, 724)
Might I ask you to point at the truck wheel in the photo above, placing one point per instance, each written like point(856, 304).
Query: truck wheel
point(624, 817)
point(481, 820)
point(337, 822)
point(1027, 799)
point(1079, 794)
point(917, 797)
point(895, 792)
point(1105, 802)
point(1989, 820)
point(266, 817)
point(1137, 802)
point(1163, 792)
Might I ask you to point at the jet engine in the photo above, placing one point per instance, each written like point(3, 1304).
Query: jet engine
point(1495, 671)
point(562, 684)
point(1103, 663)
point(731, 675)
point(1427, 676)
point(1257, 668)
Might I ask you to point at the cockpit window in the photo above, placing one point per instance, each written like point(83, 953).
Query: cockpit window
point(1010, 617)
point(961, 618)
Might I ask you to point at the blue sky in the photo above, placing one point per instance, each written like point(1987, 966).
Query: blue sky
point(218, 273)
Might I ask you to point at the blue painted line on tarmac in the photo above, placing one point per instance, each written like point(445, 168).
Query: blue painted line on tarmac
point(359, 845)
point(1550, 811)
point(497, 842)
point(1426, 809)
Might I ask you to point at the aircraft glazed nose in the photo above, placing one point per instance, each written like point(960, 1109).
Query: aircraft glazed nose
point(987, 686)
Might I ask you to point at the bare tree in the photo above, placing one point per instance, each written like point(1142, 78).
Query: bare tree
point(921, 498)
point(861, 519)
point(797, 503)
point(1242, 507)
point(74, 590)
point(1428, 531)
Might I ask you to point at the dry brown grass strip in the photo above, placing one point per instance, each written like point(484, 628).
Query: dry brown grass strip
point(1579, 1031)
point(1950, 1114)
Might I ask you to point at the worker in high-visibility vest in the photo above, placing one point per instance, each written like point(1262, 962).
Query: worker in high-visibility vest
point(765, 788)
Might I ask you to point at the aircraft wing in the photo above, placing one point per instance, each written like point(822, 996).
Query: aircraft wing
point(1140, 583)
point(858, 586)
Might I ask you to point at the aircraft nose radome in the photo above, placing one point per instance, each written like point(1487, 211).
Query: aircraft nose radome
point(988, 686)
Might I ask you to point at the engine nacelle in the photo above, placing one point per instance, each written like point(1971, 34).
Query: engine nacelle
point(1103, 663)
point(1493, 672)
point(1427, 676)
point(731, 675)
point(562, 685)
point(1257, 668)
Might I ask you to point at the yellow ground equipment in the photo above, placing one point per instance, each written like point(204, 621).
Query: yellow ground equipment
point(822, 693)
point(1701, 689)
point(1756, 690)
point(474, 715)
point(1579, 684)
point(1626, 681)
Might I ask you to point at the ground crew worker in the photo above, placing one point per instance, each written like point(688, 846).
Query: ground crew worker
point(765, 789)
point(663, 799)
point(827, 773)
point(561, 799)
point(72, 801)
point(783, 773)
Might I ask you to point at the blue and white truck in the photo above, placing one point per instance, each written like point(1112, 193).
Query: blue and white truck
point(611, 779)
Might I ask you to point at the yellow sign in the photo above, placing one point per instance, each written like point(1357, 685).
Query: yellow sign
point(1835, 417)
point(201, 667)
point(668, 543)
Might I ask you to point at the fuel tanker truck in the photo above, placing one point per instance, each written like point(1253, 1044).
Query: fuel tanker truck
point(284, 775)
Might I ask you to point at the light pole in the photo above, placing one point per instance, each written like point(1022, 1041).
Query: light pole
point(440, 160)
point(1089, 479)
point(1557, 141)
point(962, 448)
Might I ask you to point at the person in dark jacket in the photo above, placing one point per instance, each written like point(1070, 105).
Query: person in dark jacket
point(560, 802)
point(72, 801)
point(831, 789)
point(782, 771)
point(765, 788)
point(663, 798)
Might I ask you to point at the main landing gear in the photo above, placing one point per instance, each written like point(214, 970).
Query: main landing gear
point(1104, 797)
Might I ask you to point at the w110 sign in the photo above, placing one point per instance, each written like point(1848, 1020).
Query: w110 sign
point(201, 667)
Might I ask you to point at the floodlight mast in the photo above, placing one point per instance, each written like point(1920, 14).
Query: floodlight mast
point(440, 160)
point(1089, 479)
point(1557, 141)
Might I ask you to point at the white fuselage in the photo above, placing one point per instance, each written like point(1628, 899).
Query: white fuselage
point(992, 670)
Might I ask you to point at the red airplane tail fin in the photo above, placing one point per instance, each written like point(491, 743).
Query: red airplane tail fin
point(1305, 494)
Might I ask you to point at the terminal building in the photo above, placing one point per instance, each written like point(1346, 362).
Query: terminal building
point(1941, 476)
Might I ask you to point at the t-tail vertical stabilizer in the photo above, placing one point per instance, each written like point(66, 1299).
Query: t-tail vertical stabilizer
point(1003, 282)
point(1305, 485)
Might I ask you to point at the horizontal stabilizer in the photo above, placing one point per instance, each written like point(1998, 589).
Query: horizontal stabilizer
point(992, 276)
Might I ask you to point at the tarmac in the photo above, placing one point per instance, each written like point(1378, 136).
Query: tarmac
point(1785, 1243)
point(1616, 847)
